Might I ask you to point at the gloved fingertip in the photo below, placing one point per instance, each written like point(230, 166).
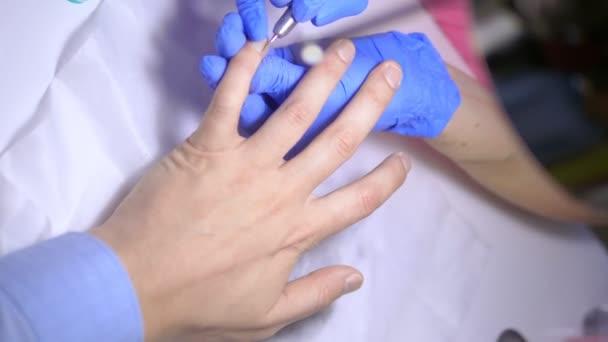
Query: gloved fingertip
point(258, 32)
point(411, 41)
point(230, 37)
point(421, 37)
point(280, 3)
point(255, 18)
point(321, 21)
point(338, 10)
point(326, 17)
point(234, 21)
point(306, 10)
point(228, 44)
point(212, 68)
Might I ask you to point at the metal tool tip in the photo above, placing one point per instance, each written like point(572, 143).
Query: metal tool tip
point(272, 40)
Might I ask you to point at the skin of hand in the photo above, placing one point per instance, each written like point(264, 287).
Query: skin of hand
point(321, 12)
point(210, 234)
point(422, 106)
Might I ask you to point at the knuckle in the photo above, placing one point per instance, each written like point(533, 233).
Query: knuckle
point(222, 107)
point(186, 156)
point(296, 114)
point(310, 243)
point(377, 96)
point(369, 200)
point(298, 243)
point(346, 144)
point(296, 249)
point(324, 298)
point(400, 172)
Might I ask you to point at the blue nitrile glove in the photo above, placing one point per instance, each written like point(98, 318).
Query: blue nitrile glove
point(422, 106)
point(268, 91)
point(321, 12)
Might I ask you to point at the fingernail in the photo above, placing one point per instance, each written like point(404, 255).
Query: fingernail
point(352, 283)
point(345, 50)
point(407, 163)
point(260, 46)
point(393, 75)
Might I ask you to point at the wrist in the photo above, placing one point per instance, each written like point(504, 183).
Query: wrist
point(146, 284)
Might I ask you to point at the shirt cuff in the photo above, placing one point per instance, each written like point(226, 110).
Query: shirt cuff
point(72, 288)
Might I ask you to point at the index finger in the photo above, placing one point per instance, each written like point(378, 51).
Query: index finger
point(219, 127)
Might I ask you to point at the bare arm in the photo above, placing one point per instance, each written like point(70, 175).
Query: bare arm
point(481, 140)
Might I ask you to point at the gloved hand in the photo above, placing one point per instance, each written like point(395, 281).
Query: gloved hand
point(422, 107)
point(321, 12)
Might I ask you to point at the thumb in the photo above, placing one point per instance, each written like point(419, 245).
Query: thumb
point(313, 293)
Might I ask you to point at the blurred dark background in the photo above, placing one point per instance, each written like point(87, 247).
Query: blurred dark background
point(549, 62)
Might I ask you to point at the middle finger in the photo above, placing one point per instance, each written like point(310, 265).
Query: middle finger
point(287, 125)
point(341, 139)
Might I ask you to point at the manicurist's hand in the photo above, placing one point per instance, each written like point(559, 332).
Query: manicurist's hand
point(422, 107)
point(211, 233)
point(320, 12)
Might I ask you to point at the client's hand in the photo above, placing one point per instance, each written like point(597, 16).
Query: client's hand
point(321, 12)
point(210, 235)
point(422, 107)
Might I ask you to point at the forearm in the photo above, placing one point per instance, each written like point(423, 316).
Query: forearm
point(481, 141)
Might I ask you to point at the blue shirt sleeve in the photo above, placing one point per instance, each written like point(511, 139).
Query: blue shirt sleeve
point(71, 288)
